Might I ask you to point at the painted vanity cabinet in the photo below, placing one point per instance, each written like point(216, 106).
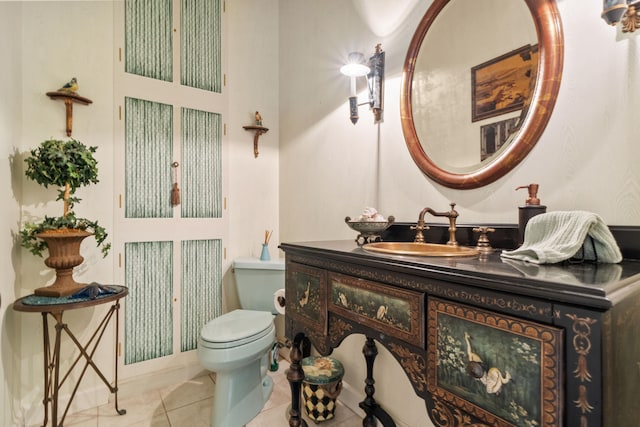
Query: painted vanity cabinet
point(484, 341)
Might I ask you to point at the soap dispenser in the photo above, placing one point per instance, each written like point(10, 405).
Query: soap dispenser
point(530, 209)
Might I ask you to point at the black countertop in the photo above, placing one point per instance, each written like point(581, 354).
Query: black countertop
point(598, 286)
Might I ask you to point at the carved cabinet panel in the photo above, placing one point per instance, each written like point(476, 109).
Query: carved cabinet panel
point(480, 341)
point(396, 312)
point(501, 369)
point(306, 296)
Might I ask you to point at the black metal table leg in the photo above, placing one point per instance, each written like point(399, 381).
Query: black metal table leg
point(56, 369)
point(47, 364)
point(115, 386)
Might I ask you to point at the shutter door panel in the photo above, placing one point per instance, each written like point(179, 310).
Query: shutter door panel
point(149, 305)
point(201, 164)
point(149, 38)
point(148, 158)
point(201, 288)
point(201, 48)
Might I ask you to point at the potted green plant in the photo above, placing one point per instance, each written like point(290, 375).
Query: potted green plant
point(67, 165)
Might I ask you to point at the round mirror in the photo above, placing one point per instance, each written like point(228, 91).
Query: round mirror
point(479, 85)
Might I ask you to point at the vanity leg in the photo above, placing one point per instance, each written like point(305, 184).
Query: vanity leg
point(295, 375)
point(369, 405)
point(47, 368)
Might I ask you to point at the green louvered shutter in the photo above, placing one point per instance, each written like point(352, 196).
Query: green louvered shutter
point(149, 38)
point(201, 288)
point(148, 158)
point(201, 50)
point(149, 305)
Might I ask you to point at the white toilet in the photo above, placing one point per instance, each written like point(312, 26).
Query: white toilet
point(236, 345)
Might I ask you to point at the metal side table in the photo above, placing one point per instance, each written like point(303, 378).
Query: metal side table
point(53, 380)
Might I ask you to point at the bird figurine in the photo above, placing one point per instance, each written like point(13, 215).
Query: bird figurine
point(71, 86)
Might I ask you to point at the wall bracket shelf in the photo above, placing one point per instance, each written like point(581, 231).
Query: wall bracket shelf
point(69, 98)
point(259, 130)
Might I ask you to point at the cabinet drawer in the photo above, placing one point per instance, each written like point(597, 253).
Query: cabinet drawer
point(384, 308)
point(306, 296)
point(504, 370)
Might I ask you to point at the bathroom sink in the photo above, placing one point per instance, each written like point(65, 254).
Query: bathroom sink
point(419, 249)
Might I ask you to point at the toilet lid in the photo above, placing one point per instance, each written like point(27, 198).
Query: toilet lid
point(236, 328)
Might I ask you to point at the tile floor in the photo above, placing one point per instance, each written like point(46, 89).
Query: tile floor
point(189, 405)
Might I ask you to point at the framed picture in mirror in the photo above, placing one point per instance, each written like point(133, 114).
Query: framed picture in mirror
point(494, 135)
point(503, 84)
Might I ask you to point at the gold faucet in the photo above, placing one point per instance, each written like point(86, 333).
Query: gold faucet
point(420, 226)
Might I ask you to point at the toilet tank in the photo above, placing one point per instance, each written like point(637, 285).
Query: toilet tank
point(257, 281)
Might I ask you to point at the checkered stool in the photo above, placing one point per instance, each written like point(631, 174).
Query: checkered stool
point(321, 386)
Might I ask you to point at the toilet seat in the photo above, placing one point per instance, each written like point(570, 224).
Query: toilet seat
point(236, 328)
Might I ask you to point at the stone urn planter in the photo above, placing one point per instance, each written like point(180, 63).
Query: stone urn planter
point(64, 256)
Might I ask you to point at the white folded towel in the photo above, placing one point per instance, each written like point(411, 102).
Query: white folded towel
point(558, 236)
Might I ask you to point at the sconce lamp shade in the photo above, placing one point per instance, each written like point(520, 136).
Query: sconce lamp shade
point(613, 10)
point(356, 66)
point(373, 71)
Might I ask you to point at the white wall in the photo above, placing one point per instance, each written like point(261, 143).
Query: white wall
point(586, 158)
point(10, 133)
point(50, 53)
point(46, 44)
point(44, 55)
point(253, 86)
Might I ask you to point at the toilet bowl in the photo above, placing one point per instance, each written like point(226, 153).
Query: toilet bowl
point(236, 345)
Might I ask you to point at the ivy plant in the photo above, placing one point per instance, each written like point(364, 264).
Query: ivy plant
point(67, 165)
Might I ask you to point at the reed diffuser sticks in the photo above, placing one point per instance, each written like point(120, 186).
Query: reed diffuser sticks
point(264, 256)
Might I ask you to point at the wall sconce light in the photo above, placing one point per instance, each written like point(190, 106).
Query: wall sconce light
point(627, 12)
point(373, 71)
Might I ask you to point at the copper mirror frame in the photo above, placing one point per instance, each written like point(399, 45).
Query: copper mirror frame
point(551, 44)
